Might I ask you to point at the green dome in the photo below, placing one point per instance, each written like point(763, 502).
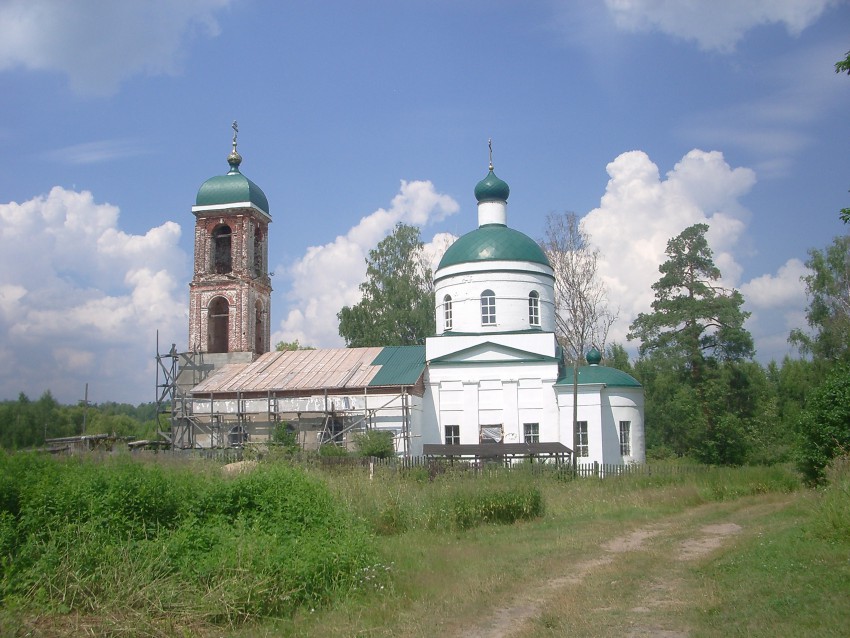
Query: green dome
point(594, 357)
point(493, 242)
point(232, 188)
point(491, 188)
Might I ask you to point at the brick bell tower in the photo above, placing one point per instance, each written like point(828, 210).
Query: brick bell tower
point(230, 293)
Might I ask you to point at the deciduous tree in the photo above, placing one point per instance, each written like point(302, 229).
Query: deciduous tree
point(582, 315)
point(828, 314)
point(825, 424)
point(397, 308)
point(291, 346)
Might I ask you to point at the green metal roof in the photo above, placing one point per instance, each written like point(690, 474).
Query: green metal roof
point(232, 188)
point(493, 242)
point(400, 365)
point(491, 188)
point(588, 375)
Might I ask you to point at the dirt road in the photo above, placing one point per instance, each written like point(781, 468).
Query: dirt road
point(649, 570)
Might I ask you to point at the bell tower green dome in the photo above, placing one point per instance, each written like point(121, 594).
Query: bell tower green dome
point(233, 188)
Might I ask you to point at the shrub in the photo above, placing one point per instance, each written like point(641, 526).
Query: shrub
point(116, 535)
point(824, 425)
point(375, 443)
point(468, 507)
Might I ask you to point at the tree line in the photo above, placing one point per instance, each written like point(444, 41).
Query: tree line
point(26, 423)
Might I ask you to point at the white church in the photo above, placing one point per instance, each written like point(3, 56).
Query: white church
point(491, 383)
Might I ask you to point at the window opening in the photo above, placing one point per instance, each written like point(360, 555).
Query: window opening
point(259, 258)
point(217, 325)
point(534, 308)
point(222, 259)
point(581, 439)
point(531, 432)
point(259, 330)
point(625, 438)
point(452, 435)
point(490, 434)
point(488, 308)
point(447, 311)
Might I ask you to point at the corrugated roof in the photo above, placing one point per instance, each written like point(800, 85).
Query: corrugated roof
point(399, 365)
point(325, 369)
point(599, 374)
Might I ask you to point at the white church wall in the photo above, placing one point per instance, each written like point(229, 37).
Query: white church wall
point(504, 396)
point(603, 409)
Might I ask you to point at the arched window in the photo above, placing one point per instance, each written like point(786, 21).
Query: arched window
point(447, 312)
point(488, 308)
point(222, 261)
point(217, 325)
point(534, 308)
point(259, 328)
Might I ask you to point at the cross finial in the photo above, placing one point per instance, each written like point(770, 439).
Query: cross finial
point(235, 128)
point(490, 146)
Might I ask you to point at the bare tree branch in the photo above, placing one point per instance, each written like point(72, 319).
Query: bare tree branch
point(582, 315)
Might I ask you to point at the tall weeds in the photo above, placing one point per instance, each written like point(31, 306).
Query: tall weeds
point(98, 537)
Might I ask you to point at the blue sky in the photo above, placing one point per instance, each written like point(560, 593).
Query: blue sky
point(642, 116)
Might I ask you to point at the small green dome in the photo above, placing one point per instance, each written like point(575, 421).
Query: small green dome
point(494, 242)
point(491, 188)
point(594, 357)
point(232, 188)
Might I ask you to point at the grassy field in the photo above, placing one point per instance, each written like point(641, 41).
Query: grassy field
point(722, 552)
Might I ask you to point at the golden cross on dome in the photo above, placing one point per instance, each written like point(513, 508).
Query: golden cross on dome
point(235, 128)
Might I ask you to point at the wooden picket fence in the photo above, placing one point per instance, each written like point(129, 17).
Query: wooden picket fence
point(466, 467)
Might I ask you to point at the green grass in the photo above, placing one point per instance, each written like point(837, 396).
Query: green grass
point(165, 549)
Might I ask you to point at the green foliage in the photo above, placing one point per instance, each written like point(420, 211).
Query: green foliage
point(824, 425)
point(694, 349)
point(375, 443)
point(25, 423)
point(843, 66)
point(86, 536)
point(617, 357)
point(286, 438)
point(332, 450)
point(831, 515)
point(468, 508)
point(291, 346)
point(397, 308)
point(828, 314)
point(730, 419)
point(692, 317)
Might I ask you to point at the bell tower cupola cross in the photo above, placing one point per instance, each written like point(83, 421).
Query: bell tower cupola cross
point(230, 292)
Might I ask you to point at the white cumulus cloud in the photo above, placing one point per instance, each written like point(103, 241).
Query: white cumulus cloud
point(327, 277)
point(640, 212)
point(715, 24)
point(81, 300)
point(98, 43)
